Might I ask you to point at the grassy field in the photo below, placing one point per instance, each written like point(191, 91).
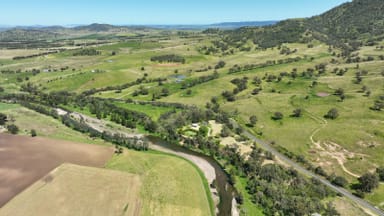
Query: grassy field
point(64, 192)
point(152, 111)
point(182, 193)
point(377, 197)
point(44, 126)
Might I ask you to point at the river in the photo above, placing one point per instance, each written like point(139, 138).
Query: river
point(210, 168)
point(222, 194)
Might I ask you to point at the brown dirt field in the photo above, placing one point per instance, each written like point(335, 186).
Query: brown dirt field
point(24, 160)
point(78, 190)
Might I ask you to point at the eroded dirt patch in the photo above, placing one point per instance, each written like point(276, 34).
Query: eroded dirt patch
point(322, 94)
point(335, 151)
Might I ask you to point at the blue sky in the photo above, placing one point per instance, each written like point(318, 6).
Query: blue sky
point(62, 12)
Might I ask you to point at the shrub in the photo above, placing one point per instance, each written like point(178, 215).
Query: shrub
point(13, 129)
point(277, 116)
point(33, 133)
point(332, 114)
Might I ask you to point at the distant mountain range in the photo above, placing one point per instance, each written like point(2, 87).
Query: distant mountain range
point(107, 27)
point(346, 26)
point(224, 25)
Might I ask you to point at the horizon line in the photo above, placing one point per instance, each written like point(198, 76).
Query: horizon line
point(114, 24)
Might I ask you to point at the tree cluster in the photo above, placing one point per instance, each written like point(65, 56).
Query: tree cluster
point(168, 58)
point(87, 52)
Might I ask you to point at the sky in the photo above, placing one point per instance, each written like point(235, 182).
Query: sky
point(141, 12)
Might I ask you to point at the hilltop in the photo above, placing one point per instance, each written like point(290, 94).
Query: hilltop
point(347, 26)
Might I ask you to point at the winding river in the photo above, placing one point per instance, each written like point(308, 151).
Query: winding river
point(222, 194)
point(210, 168)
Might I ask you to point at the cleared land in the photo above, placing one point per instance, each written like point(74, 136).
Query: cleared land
point(45, 126)
point(347, 146)
point(24, 160)
point(77, 190)
point(171, 186)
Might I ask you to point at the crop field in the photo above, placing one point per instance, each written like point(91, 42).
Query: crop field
point(77, 190)
point(165, 191)
point(139, 189)
point(26, 159)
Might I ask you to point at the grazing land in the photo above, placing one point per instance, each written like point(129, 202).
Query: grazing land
point(77, 190)
point(183, 191)
point(26, 159)
point(44, 126)
point(301, 87)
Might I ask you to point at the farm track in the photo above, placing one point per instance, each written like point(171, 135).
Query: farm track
point(317, 144)
point(266, 146)
point(206, 167)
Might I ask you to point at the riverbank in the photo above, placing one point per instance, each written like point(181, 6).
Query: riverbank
point(222, 194)
point(207, 169)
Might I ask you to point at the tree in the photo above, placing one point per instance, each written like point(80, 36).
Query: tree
point(320, 171)
point(380, 173)
point(256, 91)
point(13, 129)
point(368, 182)
point(340, 181)
point(203, 131)
point(378, 105)
point(340, 92)
point(3, 119)
point(297, 113)
point(118, 149)
point(225, 131)
point(150, 125)
point(164, 92)
point(220, 64)
point(33, 133)
point(277, 116)
point(256, 80)
point(331, 210)
point(332, 114)
point(252, 120)
point(239, 198)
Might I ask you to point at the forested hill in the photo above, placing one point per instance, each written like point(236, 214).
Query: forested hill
point(360, 19)
point(347, 26)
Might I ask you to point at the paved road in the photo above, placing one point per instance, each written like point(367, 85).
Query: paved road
point(268, 147)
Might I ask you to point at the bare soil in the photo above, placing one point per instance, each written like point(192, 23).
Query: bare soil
point(322, 94)
point(24, 160)
point(79, 190)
